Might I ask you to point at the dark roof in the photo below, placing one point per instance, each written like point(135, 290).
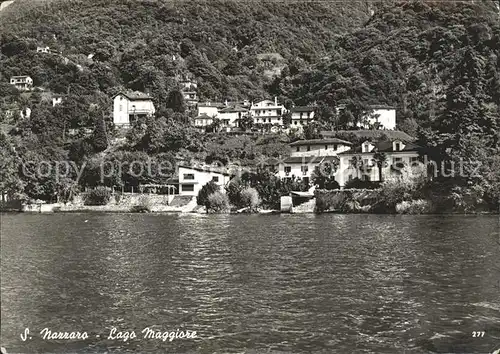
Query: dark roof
point(384, 146)
point(134, 96)
point(211, 104)
point(303, 109)
point(369, 134)
point(234, 109)
point(320, 142)
point(207, 169)
point(308, 159)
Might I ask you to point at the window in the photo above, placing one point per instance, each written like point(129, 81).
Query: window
point(413, 160)
point(326, 147)
point(215, 179)
point(304, 169)
point(397, 147)
point(121, 108)
point(298, 148)
point(189, 176)
point(288, 169)
point(367, 148)
point(300, 115)
point(308, 147)
point(397, 159)
point(188, 188)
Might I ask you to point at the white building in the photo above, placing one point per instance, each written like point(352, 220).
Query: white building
point(22, 83)
point(190, 98)
point(210, 109)
point(56, 100)
point(129, 106)
point(381, 117)
point(301, 116)
point(360, 163)
point(43, 49)
point(230, 116)
point(307, 154)
point(203, 121)
point(188, 85)
point(267, 112)
point(229, 113)
point(192, 179)
point(189, 92)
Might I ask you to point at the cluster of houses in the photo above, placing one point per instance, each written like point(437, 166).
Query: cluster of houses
point(306, 155)
point(230, 115)
point(128, 106)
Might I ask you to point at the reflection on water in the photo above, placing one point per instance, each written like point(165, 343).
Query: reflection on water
point(290, 283)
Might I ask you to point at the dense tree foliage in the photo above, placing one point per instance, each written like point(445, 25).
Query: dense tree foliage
point(436, 62)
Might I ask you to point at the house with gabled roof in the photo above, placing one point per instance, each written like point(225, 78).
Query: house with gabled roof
point(307, 154)
point(360, 161)
point(301, 116)
point(192, 178)
point(231, 115)
point(128, 106)
point(203, 121)
point(210, 109)
point(267, 112)
point(22, 83)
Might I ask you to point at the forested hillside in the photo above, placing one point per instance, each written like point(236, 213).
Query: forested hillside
point(437, 62)
point(143, 45)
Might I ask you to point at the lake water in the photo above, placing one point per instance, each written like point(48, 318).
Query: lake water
point(252, 284)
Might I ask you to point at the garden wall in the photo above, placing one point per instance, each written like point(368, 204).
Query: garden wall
point(346, 200)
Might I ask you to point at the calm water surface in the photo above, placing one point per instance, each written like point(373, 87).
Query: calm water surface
point(253, 284)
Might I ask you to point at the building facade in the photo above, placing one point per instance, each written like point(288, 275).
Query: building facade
point(307, 154)
point(301, 116)
point(22, 83)
point(192, 179)
point(230, 116)
point(210, 109)
point(267, 112)
point(43, 49)
point(127, 107)
point(189, 89)
point(203, 121)
point(360, 162)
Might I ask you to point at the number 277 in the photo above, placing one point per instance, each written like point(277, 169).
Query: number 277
point(478, 334)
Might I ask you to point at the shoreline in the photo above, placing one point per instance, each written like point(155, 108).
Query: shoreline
point(267, 212)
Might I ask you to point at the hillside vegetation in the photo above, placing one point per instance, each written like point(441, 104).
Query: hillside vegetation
point(144, 45)
point(437, 62)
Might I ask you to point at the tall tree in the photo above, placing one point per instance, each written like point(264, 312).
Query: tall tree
point(175, 101)
point(380, 160)
point(100, 137)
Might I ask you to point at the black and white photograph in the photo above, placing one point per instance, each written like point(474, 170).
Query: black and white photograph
point(250, 176)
